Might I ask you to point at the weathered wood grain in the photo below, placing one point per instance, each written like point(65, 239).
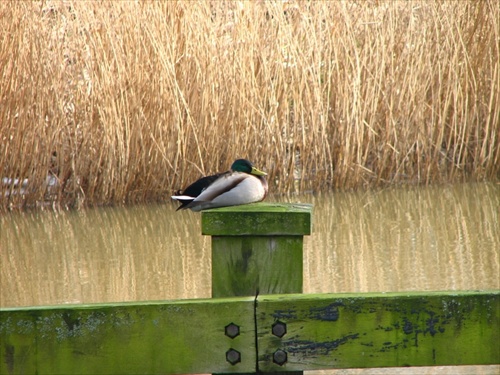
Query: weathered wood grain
point(257, 248)
point(380, 330)
point(128, 338)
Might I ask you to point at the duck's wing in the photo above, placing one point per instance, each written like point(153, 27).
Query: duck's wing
point(230, 190)
point(197, 187)
point(187, 195)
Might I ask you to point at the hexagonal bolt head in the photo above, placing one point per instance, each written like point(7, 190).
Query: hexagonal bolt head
point(232, 330)
point(233, 356)
point(280, 357)
point(279, 329)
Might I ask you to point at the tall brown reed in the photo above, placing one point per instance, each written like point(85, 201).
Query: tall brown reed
point(128, 101)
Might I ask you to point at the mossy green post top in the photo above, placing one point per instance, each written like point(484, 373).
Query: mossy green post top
point(258, 219)
point(257, 248)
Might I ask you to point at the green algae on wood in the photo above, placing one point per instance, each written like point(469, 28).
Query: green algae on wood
point(258, 219)
point(246, 265)
point(379, 330)
point(128, 338)
point(309, 332)
point(257, 248)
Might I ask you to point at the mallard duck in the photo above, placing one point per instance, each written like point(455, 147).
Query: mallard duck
point(242, 184)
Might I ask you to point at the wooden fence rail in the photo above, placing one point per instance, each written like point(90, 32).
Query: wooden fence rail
point(290, 332)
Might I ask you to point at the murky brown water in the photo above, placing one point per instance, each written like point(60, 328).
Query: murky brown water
point(437, 238)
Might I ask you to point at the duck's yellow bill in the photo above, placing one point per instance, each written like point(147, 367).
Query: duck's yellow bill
point(258, 172)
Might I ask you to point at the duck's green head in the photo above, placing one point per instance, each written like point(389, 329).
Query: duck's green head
point(243, 165)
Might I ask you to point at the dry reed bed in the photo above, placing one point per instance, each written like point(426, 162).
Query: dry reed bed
point(127, 101)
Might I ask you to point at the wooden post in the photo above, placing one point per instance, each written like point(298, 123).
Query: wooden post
point(257, 249)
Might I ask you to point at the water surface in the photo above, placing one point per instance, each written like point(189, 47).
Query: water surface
point(433, 238)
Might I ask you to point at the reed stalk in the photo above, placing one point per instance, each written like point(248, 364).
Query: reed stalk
point(127, 101)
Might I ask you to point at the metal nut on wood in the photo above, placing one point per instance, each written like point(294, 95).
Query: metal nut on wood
point(233, 356)
point(279, 329)
point(280, 357)
point(232, 330)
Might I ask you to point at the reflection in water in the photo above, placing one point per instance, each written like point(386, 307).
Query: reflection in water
point(438, 238)
point(102, 255)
